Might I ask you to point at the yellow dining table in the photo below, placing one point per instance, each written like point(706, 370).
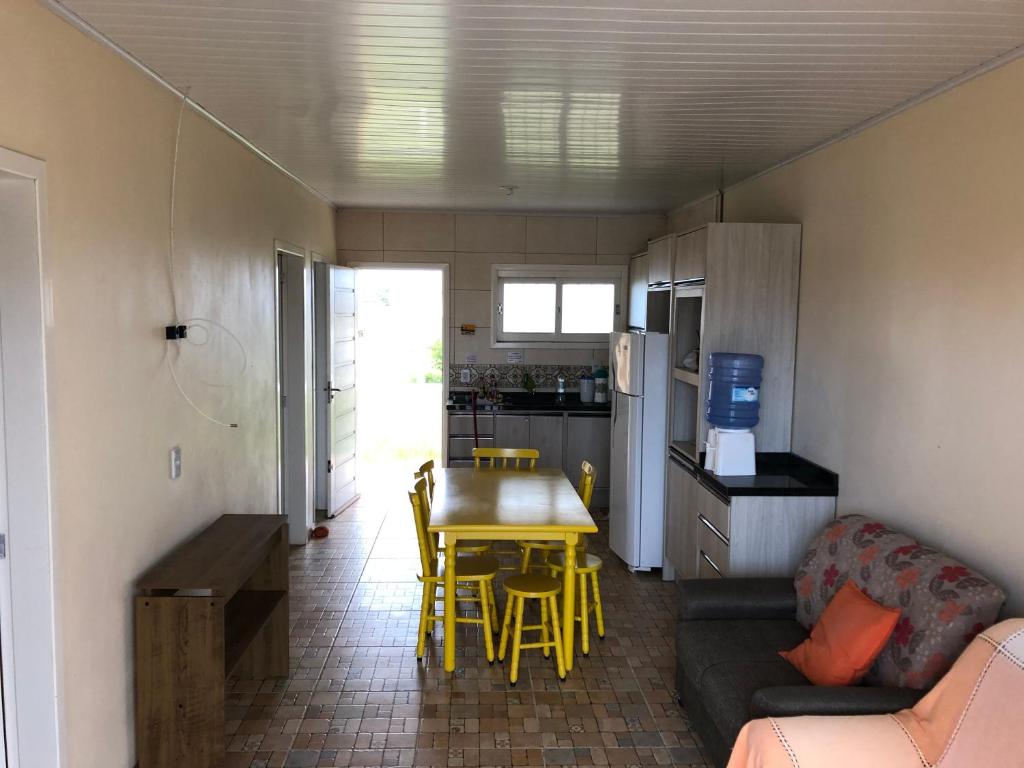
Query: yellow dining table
point(494, 504)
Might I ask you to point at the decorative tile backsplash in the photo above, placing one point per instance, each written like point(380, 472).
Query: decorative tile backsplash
point(507, 376)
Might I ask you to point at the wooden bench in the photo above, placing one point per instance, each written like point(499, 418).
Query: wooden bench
point(216, 606)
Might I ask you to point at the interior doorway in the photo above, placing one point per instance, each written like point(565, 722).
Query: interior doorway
point(30, 695)
point(293, 372)
point(402, 353)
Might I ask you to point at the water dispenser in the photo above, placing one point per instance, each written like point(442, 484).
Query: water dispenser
point(733, 408)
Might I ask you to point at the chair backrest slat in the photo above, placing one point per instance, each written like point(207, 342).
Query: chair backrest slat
point(421, 516)
point(426, 470)
point(506, 459)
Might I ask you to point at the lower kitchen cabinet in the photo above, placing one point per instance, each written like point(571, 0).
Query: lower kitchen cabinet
point(681, 548)
point(710, 533)
point(588, 438)
point(564, 439)
point(512, 431)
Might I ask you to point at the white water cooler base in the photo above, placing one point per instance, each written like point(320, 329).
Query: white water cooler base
point(730, 452)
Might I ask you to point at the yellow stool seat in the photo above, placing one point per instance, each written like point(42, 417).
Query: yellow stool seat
point(587, 566)
point(543, 546)
point(585, 563)
point(532, 585)
point(520, 588)
point(472, 568)
point(473, 546)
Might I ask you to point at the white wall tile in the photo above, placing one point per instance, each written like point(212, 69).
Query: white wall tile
point(419, 231)
point(536, 356)
point(479, 344)
point(353, 257)
point(485, 232)
point(473, 270)
point(560, 258)
point(419, 257)
point(628, 233)
point(471, 307)
point(359, 230)
point(561, 234)
point(614, 258)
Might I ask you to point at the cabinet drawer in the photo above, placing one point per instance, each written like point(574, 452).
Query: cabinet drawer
point(462, 447)
point(712, 545)
point(715, 511)
point(462, 424)
point(691, 250)
point(707, 569)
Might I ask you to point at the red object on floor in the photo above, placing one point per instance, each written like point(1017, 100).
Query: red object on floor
point(321, 532)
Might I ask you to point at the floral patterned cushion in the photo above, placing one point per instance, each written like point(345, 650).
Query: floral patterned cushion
point(944, 603)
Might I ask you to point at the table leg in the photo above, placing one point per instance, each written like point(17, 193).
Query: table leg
point(450, 558)
point(569, 598)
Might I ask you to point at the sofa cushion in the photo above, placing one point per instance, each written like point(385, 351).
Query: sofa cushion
point(728, 689)
point(706, 644)
point(944, 604)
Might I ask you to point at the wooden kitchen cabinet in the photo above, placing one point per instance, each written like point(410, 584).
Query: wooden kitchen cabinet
point(659, 261)
point(691, 255)
point(681, 519)
point(547, 437)
point(588, 438)
point(511, 431)
point(638, 291)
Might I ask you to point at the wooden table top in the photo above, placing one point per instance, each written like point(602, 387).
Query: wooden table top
point(477, 500)
point(218, 559)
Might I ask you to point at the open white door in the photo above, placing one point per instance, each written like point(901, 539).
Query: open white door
point(335, 308)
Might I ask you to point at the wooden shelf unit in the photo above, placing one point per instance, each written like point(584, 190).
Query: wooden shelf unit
point(215, 606)
point(687, 377)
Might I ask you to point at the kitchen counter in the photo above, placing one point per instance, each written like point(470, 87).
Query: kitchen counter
point(778, 474)
point(526, 402)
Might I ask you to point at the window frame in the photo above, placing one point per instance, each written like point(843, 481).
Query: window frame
point(561, 274)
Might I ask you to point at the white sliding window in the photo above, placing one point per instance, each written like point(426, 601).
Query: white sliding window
point(572, 306)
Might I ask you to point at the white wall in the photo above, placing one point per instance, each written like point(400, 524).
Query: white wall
point(911, 338)
point(471, 242)
point(106, 133)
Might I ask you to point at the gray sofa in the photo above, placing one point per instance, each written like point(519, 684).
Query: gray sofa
point(729, 631)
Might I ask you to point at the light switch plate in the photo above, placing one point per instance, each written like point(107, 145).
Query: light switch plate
point(175, 463)
point(465, 376)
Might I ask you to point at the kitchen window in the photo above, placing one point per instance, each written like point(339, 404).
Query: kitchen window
point(565, 306)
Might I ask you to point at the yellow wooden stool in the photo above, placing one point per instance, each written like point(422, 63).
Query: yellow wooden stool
point(466, 546)
point(475, 573)
point(518, 589)
point(549, 548)
point(587, 566)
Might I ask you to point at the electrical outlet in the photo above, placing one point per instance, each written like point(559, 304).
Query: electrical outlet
point(175, 463)
point(465, 376)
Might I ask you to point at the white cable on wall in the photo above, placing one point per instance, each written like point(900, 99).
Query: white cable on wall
point(195, 322)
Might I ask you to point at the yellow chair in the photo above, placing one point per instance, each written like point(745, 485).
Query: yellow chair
point(475, 573)
point(547, 548)
point(465, 547)
point(518, 589)
point(508, 459)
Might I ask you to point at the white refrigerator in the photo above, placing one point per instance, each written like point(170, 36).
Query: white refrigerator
point(639, 397)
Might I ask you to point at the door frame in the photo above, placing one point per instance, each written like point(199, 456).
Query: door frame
point(33, 673)
point(446, 330)
point(299, 467)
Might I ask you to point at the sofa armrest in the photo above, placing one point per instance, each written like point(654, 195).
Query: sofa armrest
point(791, 700)
point(737, 599)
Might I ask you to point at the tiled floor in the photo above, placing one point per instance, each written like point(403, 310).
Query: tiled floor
point(358, 697)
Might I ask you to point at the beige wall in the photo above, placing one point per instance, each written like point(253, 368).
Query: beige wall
point(911, 338)
point(106, 132)
point(471, 242)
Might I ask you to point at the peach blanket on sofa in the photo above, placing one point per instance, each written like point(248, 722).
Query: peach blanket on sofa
point(974, 716)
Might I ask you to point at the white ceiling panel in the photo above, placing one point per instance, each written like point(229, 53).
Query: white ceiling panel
point(577, 104)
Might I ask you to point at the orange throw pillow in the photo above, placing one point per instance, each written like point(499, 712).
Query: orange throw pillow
point(852, 631)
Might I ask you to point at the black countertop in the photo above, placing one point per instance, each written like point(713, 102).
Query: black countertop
point(778, 474)
point(524, 401)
